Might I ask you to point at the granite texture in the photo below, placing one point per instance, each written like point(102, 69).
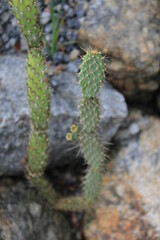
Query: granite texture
point(23, 214)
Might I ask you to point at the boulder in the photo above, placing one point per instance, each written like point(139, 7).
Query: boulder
point(129, 206)
point(128, 33)
point(65, 95)
point(24, 215)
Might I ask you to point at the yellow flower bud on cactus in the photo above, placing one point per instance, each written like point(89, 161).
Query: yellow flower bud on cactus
point(74, 128)
point(69, 136)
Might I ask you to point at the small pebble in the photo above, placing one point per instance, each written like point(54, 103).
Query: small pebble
point(71, 35)
point(45, 17)
point(134, 128)
point(80, 10)
point(23, 44)
point(73, 23)
point(35, 209)
point(48, 28)
point(73, 66)
point(70, 13)
point(74, 54)
point(60, 57)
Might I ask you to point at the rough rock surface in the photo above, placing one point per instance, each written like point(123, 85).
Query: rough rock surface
point(128, 32)
point(23, 215)
point(14, 114)
point(129, 206)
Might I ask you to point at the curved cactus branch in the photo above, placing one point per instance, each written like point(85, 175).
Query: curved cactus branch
point(27, 14)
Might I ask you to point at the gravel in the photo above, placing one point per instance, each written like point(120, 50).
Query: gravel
point(12, 41)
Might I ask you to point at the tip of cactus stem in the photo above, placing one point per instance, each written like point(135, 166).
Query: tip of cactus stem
point(69, 136)
point(74, 128)
point(94, 51)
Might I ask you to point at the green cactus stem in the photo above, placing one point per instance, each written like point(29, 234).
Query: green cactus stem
point(75, 203)
point(89, 113)
point(38, 90)
point(27, 14)
point(92, 74)
point(37, 151)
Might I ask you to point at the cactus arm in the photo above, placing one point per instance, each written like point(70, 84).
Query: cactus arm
point(27, 14)
point(75, 203)
point(92, 74)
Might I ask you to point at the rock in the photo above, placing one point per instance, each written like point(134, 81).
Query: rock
point(70, 13)
point(48, 28)
point(71, 35)
point(14, 114)
point(65, 94)
point(80, 9)
point(9, 31)
point(45, 17)
point(129, 34)
point(129, 206)
point(74, 54)
point(60, 57)
point(24, 215)
point(23, 44)
point(73, 23)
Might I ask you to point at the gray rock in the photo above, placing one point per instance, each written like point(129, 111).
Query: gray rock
point(24, 215)
point(23, 44)
point(14, 115)
point(48, 28)
point(45, 17)
point(139, 158)
point(8, 28)
point(140, 149)
point(128, 32)
point(65, 94)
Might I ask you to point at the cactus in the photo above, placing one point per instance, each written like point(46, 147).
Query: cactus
point(27, 14)
point(92, 74)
